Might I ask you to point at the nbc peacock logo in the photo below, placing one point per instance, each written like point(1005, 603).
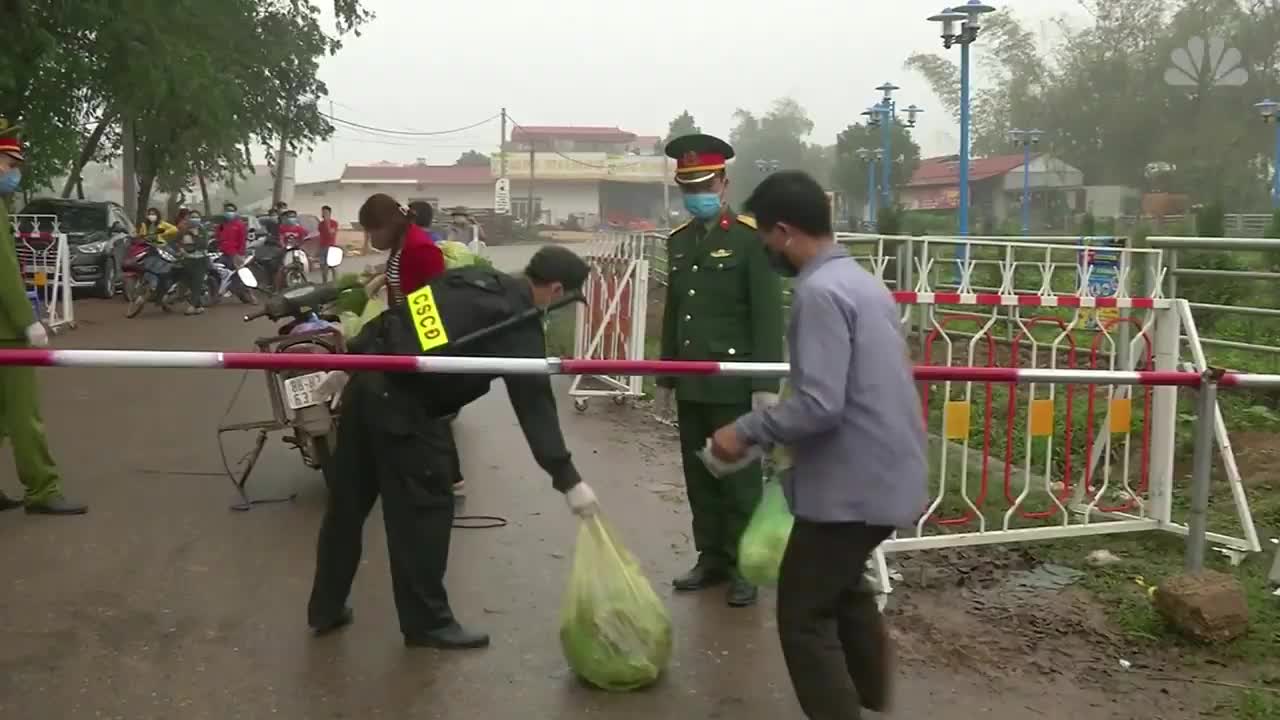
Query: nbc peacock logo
point(1206, 64)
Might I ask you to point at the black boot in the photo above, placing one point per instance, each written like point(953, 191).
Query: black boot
point(449, 637)
point(344, 619)
point(8, 503)
point(741, 592)
point(56, 505)
point(705, 574)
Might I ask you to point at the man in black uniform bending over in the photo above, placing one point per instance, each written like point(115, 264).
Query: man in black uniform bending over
point(393, 439)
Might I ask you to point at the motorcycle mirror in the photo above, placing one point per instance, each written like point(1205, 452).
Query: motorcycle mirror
point(333, 256)
point(247, 278)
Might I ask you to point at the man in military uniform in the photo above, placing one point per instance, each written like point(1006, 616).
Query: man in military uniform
point(19, 405)
point(724, 303)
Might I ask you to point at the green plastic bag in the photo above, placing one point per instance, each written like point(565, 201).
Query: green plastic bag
point(456, 254)
point(614, 629)
point(765, 540)
point(353, 323)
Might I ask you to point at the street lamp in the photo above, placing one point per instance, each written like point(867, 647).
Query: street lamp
point(768, 166)
point(1026, 138)
point(884, 114)
point(1270, 111)
point(960, 25)
point(870, 157)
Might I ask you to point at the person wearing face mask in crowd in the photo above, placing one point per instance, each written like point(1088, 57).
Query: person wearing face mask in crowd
point(20, 420)
point(724, 303)
point(155, 230)
point(193, 260)
point(858, 451)
point(233, 237)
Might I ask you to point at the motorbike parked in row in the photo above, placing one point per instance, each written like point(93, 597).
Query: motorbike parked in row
point(151, 275)
point(222, 278)
point(307, 326)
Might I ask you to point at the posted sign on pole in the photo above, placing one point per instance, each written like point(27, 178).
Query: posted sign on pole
point(502, 196)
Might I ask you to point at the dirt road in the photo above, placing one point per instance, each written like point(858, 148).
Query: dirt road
point(162, 603)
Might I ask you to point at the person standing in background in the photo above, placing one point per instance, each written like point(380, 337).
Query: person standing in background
point(423, 215)
point(851, 421)
point(20, 420)
point(328, 237)
point(233, 237)
point(724, 303)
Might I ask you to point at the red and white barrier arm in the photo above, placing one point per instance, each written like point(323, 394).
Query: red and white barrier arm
point(570, 366)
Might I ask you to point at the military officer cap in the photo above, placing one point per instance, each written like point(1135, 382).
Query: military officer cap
point(10, 143)
point(698, 157)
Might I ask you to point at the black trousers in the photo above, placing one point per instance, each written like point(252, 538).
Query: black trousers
point(834, 640)
point(409, 465)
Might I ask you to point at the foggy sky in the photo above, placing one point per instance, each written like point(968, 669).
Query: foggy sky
point(430, 65)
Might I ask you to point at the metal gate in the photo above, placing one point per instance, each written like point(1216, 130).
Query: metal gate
point(611, 323)
point(44, 257)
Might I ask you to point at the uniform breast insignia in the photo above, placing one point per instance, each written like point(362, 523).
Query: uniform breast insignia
point(748, 221)
point(425, 315)
point(721, 254)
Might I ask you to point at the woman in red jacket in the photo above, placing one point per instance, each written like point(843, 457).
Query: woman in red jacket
point(413, 259)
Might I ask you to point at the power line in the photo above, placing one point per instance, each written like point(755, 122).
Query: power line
point(409, 133)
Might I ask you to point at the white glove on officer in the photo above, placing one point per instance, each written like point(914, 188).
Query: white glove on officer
point(37, 335)
point(762, 400)
point(332, 384)
point(582, 500)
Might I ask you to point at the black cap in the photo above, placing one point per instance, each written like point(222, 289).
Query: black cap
point(553, 263)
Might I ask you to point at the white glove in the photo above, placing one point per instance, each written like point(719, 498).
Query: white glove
point(719, 468)
point(582, 500)
point(664, 400)
point(332, 384)
point(37, 335)
point(761, 400)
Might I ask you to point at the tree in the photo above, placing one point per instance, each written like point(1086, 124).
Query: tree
point(472, 158)
point(683, 124)
point(850, 172)
point(777, 138)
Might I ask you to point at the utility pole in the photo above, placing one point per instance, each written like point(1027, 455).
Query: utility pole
point(528, 219)
point(277, 187)
point(128, 170)
point(502, 147)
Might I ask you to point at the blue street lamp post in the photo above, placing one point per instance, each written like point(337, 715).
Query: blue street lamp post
point(1026, 138)
point(1270, 110)
point(966, 16)
point(885, 115)
point(870, 156)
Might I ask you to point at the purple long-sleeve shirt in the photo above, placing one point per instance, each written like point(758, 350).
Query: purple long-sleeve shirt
point(852, 419)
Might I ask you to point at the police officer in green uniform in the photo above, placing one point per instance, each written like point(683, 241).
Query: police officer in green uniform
point(724, 303)
point(19, 404)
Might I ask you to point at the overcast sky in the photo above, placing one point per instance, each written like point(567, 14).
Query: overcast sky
point(428, 65)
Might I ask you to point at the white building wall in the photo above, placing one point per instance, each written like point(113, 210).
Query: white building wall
point(560, 198)
point(346, 198)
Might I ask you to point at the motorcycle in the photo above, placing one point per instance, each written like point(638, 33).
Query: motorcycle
point(151, 275)
point(264, 260)
point(296, 265)
point(296, 408)
point(222, 279)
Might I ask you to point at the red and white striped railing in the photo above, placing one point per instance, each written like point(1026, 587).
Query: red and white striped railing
point(570, 366)
point(905, 297)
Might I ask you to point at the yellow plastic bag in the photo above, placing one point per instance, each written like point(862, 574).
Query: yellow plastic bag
point(764, 542)
point(614, 629)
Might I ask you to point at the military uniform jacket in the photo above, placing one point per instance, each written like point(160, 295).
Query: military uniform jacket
point(466, 300)
point(15, 310)
point(724, 303)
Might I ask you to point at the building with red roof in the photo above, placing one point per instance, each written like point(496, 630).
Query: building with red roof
point(995, 186)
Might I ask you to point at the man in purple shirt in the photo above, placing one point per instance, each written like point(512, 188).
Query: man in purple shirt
point(858, 451)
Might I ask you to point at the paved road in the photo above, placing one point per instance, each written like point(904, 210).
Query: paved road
point(162, 603)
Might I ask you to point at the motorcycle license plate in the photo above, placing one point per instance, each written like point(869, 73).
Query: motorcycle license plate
point(300, 392)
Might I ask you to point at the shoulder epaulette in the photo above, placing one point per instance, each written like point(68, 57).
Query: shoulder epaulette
point(748, 221)
point(681, 226)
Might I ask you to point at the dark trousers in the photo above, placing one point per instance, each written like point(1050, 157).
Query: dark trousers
point(195, 275)
point(833, 638)
point(721, 507)
point(411, 471)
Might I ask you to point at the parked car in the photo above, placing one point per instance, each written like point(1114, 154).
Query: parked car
point(98, 234)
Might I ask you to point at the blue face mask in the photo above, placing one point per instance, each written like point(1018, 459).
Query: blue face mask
point(230, 215)
point(9, 181)
point(704, 206)
point(193, 221)
point(291, 221)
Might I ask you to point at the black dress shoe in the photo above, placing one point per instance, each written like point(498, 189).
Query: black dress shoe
point(344, 619)
point(703, 575)
point(56, 505)
point(449, 637)
point(741, 592)
point(8, 503)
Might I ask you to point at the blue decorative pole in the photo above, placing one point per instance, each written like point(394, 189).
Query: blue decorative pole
point(1270, 110)
point(1026, 138)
